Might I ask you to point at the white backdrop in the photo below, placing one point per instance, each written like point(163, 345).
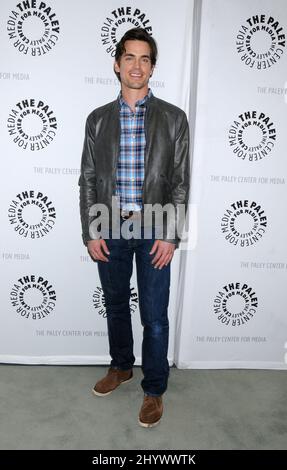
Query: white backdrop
point(56, 67)
point(234, 285)
point(228, 296)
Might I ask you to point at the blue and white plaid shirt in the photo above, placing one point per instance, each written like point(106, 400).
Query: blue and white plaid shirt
point(130, 168)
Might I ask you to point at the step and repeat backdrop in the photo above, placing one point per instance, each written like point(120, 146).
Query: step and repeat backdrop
point(56, 67)
point(224, 62)
point(234, 288)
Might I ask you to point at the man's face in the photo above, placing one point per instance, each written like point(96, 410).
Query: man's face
point(135, 66)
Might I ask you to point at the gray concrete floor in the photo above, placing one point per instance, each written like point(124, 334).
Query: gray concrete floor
point(52, 407)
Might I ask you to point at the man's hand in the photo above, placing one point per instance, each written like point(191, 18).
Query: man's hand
point(97, 248)
point(163, 253)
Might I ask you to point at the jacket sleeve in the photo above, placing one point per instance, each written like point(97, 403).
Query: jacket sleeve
point(180, 181)
point(87, 181)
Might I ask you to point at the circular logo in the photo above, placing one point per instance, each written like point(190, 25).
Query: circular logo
point(244, 223)
point(118, 22)
point(33, 297)
point(100, 304)
point(260, 42)
point(235, 304)
point(33, 28)
point(252, 136)
point(32, 214)
point(32, 125)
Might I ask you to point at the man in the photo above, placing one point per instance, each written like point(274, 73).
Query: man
point(136, 150)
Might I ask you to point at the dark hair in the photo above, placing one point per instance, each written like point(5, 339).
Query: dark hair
point(138, 34)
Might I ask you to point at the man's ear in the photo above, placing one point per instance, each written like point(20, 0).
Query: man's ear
point(152, 70)
point(116, 67)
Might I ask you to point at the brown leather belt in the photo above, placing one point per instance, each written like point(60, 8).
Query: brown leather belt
point(131, 215)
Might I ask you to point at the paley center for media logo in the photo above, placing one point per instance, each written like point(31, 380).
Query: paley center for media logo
point(252, 136)
point(33, 27)
point(235, 304)
point(32, 214)
point(119, 21)
point(244, 223)
point(33, 297)
point(260, 41)
point(32, 124)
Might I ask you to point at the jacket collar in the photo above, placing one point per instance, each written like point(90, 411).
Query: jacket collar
point(142, 102)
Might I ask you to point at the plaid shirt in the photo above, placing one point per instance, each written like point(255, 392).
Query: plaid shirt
point(130, 168)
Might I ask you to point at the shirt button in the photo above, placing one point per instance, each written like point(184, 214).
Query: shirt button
point(134, 136)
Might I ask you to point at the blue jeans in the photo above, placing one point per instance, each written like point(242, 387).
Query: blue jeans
point(153, 290)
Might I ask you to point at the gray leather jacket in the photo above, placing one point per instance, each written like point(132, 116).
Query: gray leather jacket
point(166, 160)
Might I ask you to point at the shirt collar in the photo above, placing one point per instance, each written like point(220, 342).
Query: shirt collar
point(141, 102)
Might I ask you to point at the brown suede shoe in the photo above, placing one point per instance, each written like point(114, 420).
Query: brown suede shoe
point(151, 411)
point(112, 380)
